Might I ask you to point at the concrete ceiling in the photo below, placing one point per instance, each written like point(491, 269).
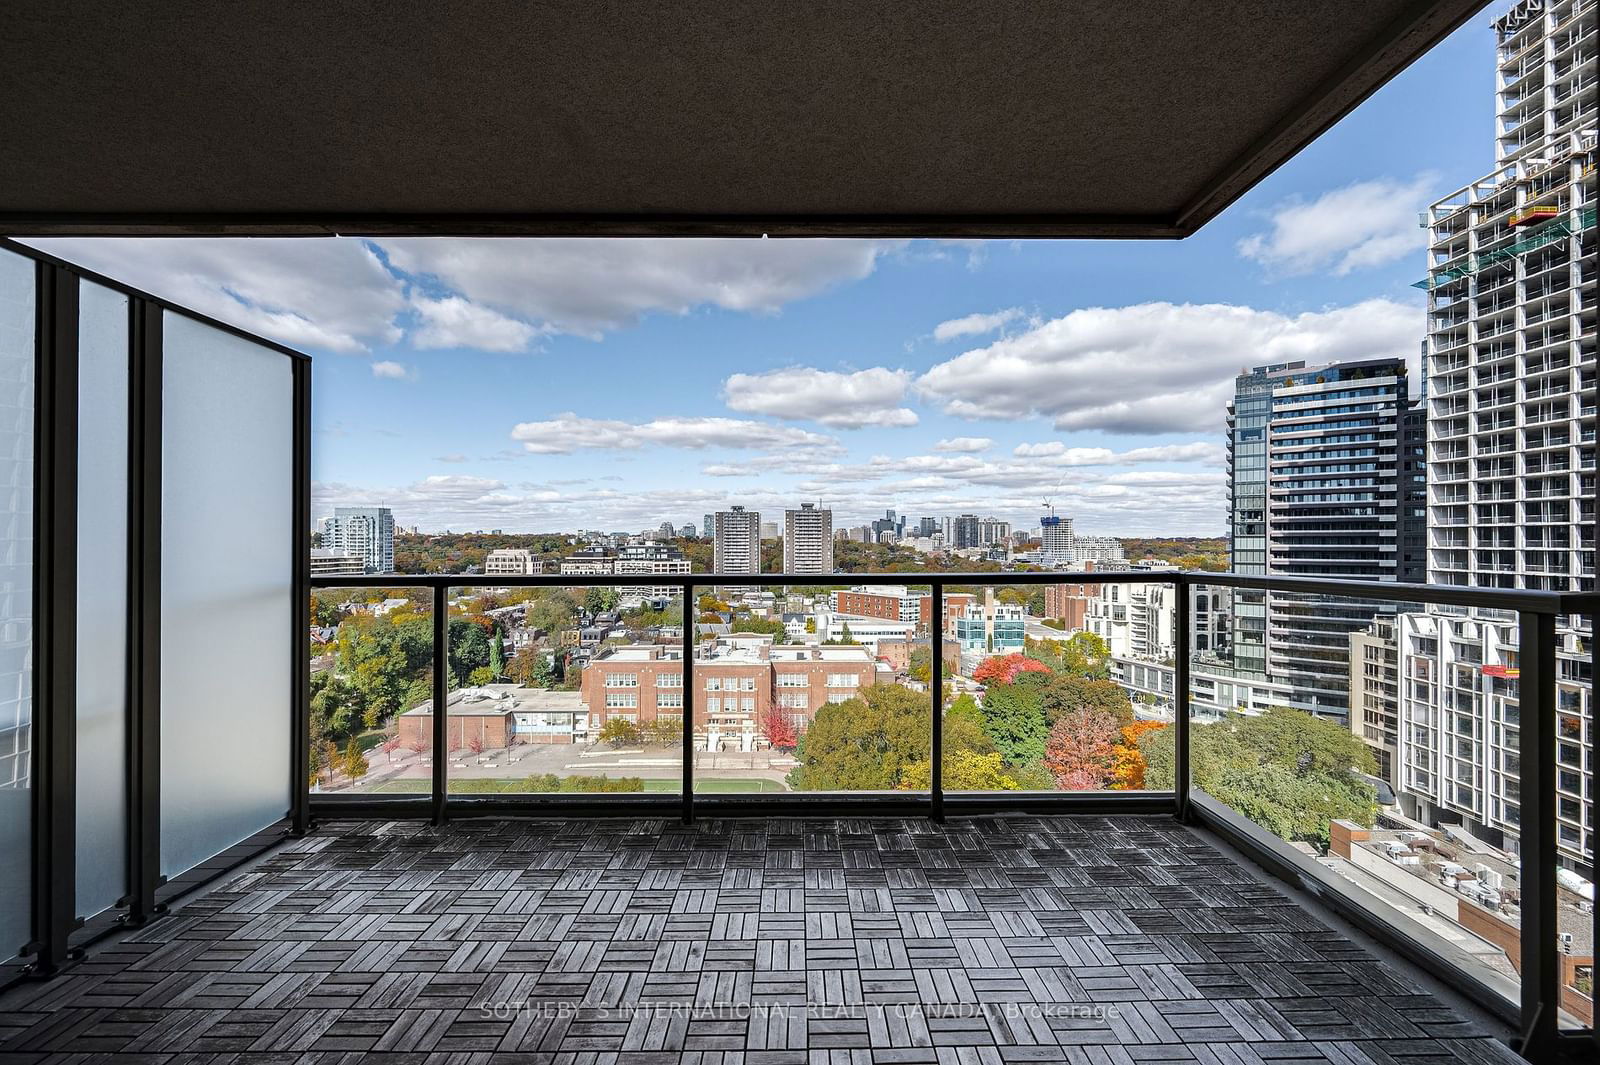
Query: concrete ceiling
point(867, 117)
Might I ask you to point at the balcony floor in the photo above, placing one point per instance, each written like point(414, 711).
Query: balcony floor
point(754, 942)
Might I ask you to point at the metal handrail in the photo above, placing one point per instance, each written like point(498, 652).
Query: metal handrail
point(1534, 602)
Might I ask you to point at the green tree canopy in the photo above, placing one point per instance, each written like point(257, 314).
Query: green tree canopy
point(865, 742)
point(1287, 770)
point(1013, 716)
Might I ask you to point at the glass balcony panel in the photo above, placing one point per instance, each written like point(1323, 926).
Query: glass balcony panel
point(16, 600)
point(565, 690)
point(1379, 741)
point(814, 688)
point(226, 600)
point(1059, 688)
point(102, 803)
point(371, 670)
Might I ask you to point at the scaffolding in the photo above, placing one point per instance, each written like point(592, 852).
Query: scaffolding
point(1548, 233)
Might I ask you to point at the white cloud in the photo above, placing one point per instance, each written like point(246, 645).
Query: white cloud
point(566, 433)
point(1367, 224)
point(332, 295)
point(1155, 367)
point(453, 322)
point(975, 324)
point(390, 371)
point(966, 444)
point(336, 294)
point(1062, 455)
point(587, 287)
point(839, 400)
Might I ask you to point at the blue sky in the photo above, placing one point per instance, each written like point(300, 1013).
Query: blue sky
point(538, 385)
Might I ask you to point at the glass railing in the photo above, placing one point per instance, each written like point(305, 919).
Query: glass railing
point(371, 652)
point(1373, 736)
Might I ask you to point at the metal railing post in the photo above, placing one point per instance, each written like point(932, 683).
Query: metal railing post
point(1180, 698)
point(936, 695)
point(441, 699)
point(687, 680)
point(144, 602)
point(300, 724)
point(1536, 703)
point(55, 610)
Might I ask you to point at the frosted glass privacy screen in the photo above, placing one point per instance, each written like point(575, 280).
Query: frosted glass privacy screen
point(227, 537)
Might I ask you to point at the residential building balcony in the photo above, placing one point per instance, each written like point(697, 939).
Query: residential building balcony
point(572, 804)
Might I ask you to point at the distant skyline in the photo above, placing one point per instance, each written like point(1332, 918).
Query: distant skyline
point(543, 385)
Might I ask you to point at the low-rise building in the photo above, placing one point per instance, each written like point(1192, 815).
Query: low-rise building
point(496, 716)
point(327, 563)
point(739, 679)
point(1069, 604)
point(512, 561)
point(990, 627)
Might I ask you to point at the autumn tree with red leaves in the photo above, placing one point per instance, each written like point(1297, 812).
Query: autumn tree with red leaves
point(1080, 749)
point(1004, 669)
point(777, 725)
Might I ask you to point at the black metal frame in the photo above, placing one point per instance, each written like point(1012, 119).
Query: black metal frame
point(58, 932)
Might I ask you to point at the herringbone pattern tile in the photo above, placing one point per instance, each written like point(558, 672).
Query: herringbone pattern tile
point(777, 942)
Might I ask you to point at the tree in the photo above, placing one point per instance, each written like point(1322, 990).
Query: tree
point(1087, 654)
point(762, 627)
point(964, 728)
point(355, 763)
point(481, 676)
point(530, 667)
point(1079, 751)
point(1287, 770)
point(1127, 760)
point(844, 636)
point(921, 664)
point(864, 743)
point(1068, 691)
point(620, 732)
point(497, 655)
point(666, 730)
point(811, 624)
point(963, 771)
point(469, 645)
point(552, 613)
point(1013, 717)
point(777, 725)
point(475, 744)
point(1003, 669)
point(390, 745)
point(596, 600)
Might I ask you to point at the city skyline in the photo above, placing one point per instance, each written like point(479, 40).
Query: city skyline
point(548, 384)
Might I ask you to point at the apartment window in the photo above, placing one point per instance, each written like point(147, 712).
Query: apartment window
point(669, 700)
point(713, 705)
point(747, 684)
point(793, 701)
point(669, 680)
point(625, 717)
point(713, 684)
point(843, 680)
point(622, 680)
point(622, 700)
point(748, 703)
point(794, 680)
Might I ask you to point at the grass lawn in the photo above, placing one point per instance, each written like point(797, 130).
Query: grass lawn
point(717, 785)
